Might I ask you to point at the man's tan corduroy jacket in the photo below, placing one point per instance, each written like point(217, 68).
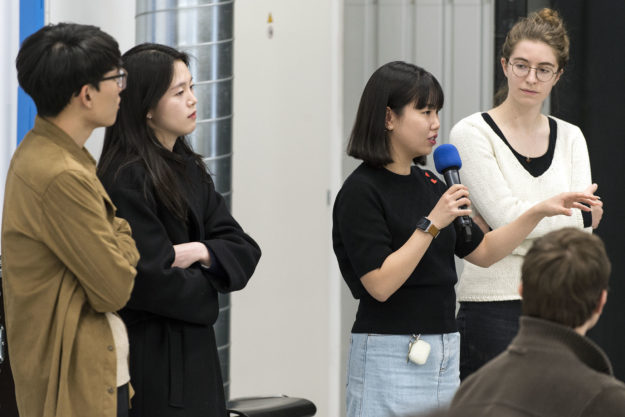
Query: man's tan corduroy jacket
point(66, 260)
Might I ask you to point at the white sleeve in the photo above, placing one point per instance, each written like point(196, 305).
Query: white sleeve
point(581, 176)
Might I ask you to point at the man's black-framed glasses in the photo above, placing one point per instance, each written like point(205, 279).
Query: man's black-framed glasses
point(120, 78)
point(521, 70)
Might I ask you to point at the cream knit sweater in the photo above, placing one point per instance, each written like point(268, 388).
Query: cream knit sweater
point(501, 189)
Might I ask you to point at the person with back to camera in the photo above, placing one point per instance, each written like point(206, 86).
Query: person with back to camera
point(551, 369)
point(514, 156)
point(395, 249)
point(191, 247)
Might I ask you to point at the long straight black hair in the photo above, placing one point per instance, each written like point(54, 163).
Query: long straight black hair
point(150, 72)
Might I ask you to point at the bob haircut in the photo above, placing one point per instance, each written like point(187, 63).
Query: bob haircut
point(393, 85)
point(563, 275)
point(150, 69)
point(54, 63)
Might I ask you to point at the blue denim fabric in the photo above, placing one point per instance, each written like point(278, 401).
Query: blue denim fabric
point(486, 330)
point(381, 384)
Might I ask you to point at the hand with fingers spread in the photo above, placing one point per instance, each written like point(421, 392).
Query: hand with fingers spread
point(448, 206)
point(563, 203)
point(501, 241)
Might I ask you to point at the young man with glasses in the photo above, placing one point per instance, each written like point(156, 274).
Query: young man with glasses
point(68, 262)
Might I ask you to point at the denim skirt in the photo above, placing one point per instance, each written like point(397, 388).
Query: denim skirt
point(380, 382)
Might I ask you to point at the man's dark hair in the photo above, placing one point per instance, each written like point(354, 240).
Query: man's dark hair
point(563, 275)
point(54, 63)
point(393, 85)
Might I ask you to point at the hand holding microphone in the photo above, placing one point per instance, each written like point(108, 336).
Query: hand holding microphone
point(453, 203)
point(447, 162)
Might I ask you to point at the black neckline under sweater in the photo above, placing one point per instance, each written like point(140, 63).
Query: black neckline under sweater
point(536, 166)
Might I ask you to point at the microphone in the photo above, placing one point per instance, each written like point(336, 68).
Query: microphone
point(447, 162)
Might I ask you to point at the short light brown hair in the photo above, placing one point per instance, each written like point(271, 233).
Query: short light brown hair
point(563, 276)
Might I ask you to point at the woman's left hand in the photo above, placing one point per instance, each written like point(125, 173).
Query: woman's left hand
point(563, 203)
point(501, 241)
point(189, 253)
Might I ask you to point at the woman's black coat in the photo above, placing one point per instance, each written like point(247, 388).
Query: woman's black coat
point(174, 366)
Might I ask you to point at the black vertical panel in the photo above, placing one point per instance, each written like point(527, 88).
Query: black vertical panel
point(567, 97)
point(507, 13)
point(594, 99)
point(8, 406)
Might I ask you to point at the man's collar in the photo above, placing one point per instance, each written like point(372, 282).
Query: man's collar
point(535, 332)
point(46, 128)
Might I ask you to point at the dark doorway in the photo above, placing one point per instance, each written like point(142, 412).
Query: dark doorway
point(507, 13)
point(8, 407)
point(591, 94)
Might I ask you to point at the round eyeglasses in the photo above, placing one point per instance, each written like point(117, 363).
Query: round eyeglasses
point(120, 78)
point(521, 70)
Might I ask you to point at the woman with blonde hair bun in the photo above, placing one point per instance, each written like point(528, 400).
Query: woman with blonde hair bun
point(513, 156)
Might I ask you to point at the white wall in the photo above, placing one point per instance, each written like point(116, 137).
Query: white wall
point(453, 39)
point(287, 145)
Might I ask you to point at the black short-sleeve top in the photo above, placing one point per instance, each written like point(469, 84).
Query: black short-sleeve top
point(375, 213)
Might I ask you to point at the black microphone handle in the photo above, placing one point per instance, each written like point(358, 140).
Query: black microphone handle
point(452, 176)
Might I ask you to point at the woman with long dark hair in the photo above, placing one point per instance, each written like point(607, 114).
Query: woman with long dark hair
point(395, 247)
point(191, 248)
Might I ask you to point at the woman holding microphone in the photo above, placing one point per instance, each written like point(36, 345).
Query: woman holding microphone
point(395, 248)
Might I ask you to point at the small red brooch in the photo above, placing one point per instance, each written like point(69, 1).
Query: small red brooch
point(433, 180)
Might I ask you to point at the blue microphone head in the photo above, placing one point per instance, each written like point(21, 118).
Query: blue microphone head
point(446, 156)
